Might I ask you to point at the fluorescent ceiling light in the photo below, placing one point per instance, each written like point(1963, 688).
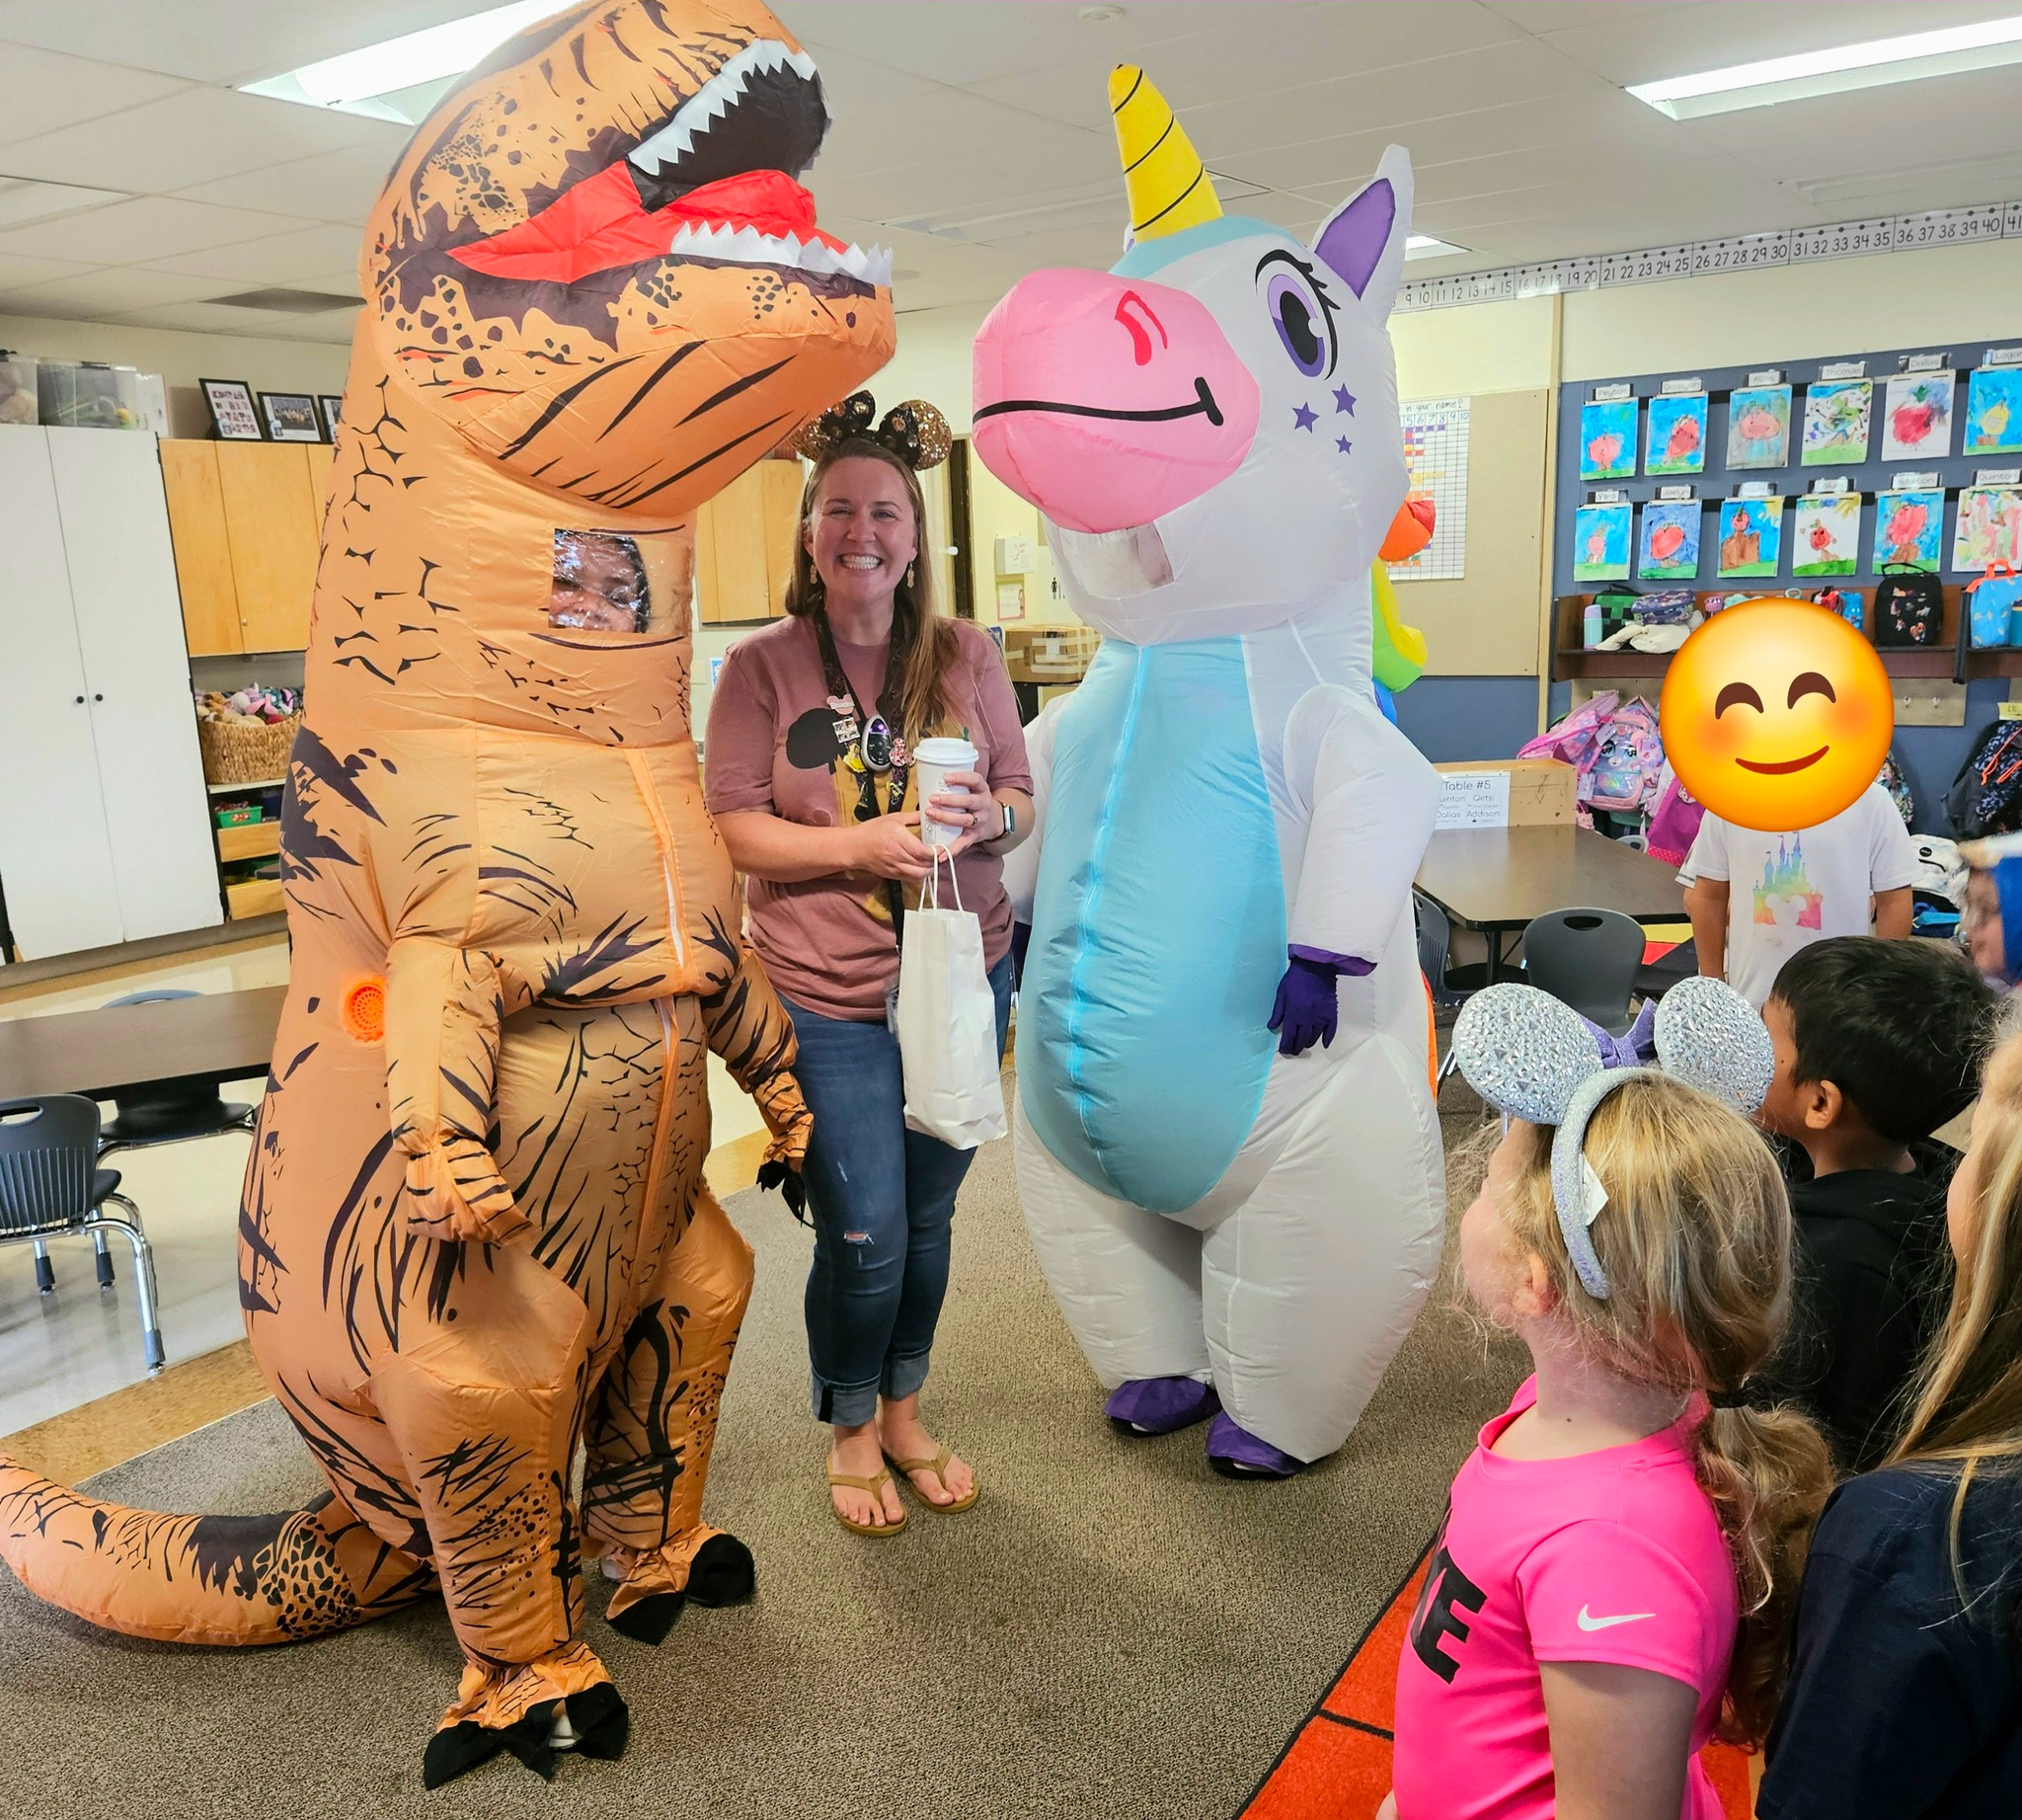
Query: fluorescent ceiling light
point(1881, 60)
point(356, 81)
point(1424, 245)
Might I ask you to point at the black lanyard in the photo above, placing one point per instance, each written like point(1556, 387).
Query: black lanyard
point(840, 688)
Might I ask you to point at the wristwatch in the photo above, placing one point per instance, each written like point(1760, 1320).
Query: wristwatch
point(1010, 826)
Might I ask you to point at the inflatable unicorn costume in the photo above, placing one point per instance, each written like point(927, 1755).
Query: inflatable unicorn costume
point(1231, 829)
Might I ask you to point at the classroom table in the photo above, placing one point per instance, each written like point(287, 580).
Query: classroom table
point(165, 1044)
point(1497, 879)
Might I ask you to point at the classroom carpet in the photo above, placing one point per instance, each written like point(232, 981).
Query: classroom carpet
point(1112, 1630)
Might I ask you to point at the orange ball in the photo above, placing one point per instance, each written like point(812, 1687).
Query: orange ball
point(1777, 714)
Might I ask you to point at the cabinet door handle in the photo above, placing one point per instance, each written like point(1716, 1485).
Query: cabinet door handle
point(98, 698)
point(80, 701)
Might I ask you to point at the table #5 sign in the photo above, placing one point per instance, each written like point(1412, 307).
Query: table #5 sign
point(1474, 799)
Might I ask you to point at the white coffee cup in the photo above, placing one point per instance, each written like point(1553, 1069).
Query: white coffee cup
point(933, 759)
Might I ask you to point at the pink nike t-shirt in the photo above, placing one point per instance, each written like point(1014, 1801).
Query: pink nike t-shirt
point(1612, 1556)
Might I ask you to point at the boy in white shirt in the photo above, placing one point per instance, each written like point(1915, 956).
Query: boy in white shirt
point(1756, 899)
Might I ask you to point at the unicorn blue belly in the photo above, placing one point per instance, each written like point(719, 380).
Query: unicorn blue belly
point(1158, 927)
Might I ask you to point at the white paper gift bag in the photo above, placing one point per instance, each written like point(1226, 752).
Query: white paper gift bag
point(948, 1025)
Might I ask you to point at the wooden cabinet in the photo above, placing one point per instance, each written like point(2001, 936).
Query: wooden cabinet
point(744, 545)
point(246, 517)
point(104, 820)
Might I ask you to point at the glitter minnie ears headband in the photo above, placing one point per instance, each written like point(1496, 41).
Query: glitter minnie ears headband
point(1532, 1057)
point(914, 431)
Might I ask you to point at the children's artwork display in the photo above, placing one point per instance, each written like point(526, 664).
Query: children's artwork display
point(1989, 529)
point(1916, 417)
point(1675, 440)
point(1824, 534)
point(1758, 427)
point(1607, 442)
point(1670, 547)
point(1750, 538)
point(1909, 530)
point(1836, 413)
point(1600, 543)
point(1993, 411)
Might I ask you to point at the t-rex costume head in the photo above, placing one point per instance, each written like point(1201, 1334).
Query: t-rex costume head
point(475, 1232)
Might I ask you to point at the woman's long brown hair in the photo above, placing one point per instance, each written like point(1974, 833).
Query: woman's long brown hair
point(1967, 1408)
point(926, 640)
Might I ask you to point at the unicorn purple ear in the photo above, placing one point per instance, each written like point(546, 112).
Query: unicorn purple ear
point(1364, 240)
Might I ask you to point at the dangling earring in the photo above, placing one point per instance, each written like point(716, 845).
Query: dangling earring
point(908, 573)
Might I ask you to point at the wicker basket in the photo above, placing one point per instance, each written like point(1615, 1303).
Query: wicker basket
point(246, 752)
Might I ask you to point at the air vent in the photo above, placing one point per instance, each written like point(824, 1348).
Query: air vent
point(290, 303)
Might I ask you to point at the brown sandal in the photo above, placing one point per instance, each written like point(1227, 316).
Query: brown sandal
point(875, 1485)
point(937, 1466)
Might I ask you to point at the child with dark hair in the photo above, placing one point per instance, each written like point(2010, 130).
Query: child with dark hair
point(1904, 1699)
point(1878, 1043)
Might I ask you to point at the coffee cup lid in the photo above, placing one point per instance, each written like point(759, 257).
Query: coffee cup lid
point(951, 753)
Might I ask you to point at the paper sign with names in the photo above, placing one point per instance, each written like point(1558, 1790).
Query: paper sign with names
point(1474, 799)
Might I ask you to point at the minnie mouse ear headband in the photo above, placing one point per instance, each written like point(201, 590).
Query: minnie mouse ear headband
point(1532, 1057)
point(914, 431)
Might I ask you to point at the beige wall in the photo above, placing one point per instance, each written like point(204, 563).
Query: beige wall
point(183, 359)
point(1835, 306)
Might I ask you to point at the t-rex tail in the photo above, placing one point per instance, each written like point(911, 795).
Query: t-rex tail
point(274, 1579)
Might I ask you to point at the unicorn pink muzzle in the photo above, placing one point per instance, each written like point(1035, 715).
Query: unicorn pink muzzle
point(1109, 401)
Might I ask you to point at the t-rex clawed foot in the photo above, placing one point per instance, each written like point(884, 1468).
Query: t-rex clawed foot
point(560, 1702)
point(710, 1567)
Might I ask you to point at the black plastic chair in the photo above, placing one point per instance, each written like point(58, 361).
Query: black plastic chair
point(1451, 986)
point(168, 1114)
point(1588, 959)
point(51, 1186)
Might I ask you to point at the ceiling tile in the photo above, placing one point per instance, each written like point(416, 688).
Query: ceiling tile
point(192, 136)
point(46, 92)
point(277, 258)
point(330, 187)
point(965, 44)
point(18, 269)
point(146, 227)
point(1643, 44)
point(264, 325)
point(221, 41)
point(106, 292)
point(1260, 50)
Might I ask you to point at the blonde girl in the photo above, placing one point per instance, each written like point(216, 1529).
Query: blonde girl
point(1622, 1551)
point(1905, 1683)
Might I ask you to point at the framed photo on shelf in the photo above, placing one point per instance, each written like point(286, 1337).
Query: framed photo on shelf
point(332, 414)
point(290, 416)
point(232, 415)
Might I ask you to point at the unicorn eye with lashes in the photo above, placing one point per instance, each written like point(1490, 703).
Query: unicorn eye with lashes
point(1301, 311)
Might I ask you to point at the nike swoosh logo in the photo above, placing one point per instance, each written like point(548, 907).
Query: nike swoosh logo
point(1588, 1622)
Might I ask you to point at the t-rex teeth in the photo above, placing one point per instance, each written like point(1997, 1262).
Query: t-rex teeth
point(714, 98)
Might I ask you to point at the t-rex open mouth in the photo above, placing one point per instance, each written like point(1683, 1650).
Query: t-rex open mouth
point(695, 188)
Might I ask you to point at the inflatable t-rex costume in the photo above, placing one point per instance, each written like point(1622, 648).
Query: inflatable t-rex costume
point(475, 1230)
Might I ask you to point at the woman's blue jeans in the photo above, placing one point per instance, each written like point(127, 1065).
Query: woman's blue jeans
point(882, 1199)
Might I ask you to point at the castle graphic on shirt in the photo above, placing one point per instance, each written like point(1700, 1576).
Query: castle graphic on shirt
point(1786, 898)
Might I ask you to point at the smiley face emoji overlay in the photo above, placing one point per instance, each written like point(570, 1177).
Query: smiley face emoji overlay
point(1777, 714)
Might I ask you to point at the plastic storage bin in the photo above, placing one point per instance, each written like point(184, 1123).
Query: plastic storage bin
point(89, 395)
point(19, 400)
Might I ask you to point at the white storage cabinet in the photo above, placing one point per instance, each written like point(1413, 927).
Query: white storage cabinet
point(105, 832)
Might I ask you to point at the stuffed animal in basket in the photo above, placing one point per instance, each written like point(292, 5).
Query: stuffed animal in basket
point(1227, 1142)
point(477, 1257)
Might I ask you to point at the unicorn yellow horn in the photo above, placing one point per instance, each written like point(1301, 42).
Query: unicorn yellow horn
point(1168, 185)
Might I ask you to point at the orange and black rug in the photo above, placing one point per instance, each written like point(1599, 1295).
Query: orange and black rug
point(1337, 1764)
